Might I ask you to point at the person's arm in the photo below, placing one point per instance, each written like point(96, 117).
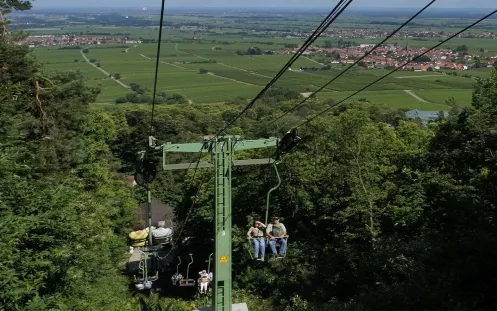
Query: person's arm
point(268, 232)
point(262, 225)
point(283, 229)
point(249, 232)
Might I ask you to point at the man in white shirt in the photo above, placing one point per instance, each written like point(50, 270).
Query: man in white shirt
point(277, 233)
point(161, 231)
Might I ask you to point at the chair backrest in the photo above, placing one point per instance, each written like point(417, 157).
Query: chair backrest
point(135, 242)
point(161, 240)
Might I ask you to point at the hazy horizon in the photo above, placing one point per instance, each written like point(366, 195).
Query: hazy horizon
point(314, 4)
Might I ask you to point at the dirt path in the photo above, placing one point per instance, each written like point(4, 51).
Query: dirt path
point(416, 96)
point(127, 50)
point(425, 76)
point(102, 70)
point(312, 60)
point(209, 73)
point(213, 74)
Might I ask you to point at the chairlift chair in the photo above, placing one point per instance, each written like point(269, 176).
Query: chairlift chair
point(208, 272)
point(187, 282)
point(176, 277)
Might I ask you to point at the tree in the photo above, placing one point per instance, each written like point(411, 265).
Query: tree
point(203, 70)
point(56, 187)
point(6, 7)
point(422, 59)
point(117, 76)
point(462, 49)
point(254, 51)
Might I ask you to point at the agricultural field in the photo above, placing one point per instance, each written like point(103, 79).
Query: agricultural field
point(235, 76)
point(210, 68)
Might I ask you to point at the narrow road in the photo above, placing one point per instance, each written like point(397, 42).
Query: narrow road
point(213, 74)
point(170, 64)
point(312, 60)
point(102, 70)
point(127, 50)
point(209, 73)
point(425, 76)
point(416, 96)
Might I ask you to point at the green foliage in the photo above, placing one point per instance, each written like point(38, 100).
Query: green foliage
point(8, 6)
point(63, 207)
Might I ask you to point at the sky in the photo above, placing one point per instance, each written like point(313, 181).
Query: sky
point(474, 4)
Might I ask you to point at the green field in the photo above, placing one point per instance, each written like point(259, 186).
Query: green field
point(244, 76)
point(229, 75)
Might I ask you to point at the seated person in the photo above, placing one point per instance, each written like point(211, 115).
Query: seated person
point(257, 234)
point(139, 235)
point(204, 281)
point(277, 233)
point(161, 231)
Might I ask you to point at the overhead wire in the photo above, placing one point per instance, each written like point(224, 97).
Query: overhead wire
point(157, 60)
point(355, 63)
point(334, 14)
point(194, 202)
point(396, 69)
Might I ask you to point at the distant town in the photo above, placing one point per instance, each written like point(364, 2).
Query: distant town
point(73, 40)
point(385, 57)
point(392, 56)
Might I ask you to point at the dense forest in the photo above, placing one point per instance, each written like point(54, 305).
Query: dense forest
point(383, 212)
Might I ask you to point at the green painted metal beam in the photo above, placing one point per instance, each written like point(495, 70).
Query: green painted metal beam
point(222, 150)
point(186, 166)
point(193, 165)
point(193, 147)
point(254, 144)
point(221, 298)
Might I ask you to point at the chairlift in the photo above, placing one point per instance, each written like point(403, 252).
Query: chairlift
point(251, 239)
point(187, 282)
point(294, 139)
point(208, 273)
point(177, 276)
point(145, 281)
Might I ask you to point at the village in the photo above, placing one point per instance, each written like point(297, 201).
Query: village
point(392, 56)
point(73, 40)
point(378, 33)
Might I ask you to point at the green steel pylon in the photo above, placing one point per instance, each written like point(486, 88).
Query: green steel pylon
point(222, 150)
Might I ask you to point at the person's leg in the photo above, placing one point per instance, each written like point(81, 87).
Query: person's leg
point(272, 244)
point(262, 247)
point(256, 248)
point(283, 246)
